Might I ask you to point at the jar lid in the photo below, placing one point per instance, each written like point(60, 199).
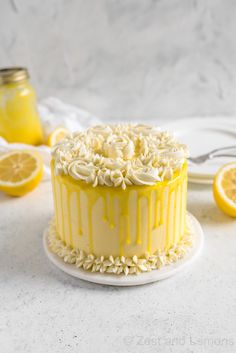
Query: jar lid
point(13, 74)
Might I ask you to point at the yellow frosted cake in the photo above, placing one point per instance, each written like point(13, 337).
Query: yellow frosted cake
point(120, 199)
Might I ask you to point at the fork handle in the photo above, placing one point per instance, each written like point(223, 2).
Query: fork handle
point(222, 155)
point(222, 149)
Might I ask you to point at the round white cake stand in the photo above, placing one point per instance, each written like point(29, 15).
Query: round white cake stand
point(133, 280)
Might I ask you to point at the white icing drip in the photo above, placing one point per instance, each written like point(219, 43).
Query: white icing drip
point(119, 155)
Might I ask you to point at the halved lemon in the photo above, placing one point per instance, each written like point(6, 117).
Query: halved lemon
point(20, 172)
point(224, 189)
point(57, 135)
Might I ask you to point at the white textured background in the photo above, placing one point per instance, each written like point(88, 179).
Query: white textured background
point(129, 59)
point(126, 59)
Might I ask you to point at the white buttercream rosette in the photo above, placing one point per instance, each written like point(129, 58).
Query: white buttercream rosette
point(119, 155)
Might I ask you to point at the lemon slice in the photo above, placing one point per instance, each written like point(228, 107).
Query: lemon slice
point(57, 135)
point(20, 172)
point(224, 189)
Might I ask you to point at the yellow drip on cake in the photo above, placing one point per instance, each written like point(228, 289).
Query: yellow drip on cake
point(111, 221)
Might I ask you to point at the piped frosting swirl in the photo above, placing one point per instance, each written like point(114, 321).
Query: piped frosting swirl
point(119, 155)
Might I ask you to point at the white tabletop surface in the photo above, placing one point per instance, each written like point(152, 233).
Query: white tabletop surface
point(45, 310)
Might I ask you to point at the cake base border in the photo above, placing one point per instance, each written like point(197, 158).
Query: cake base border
point(133, 280)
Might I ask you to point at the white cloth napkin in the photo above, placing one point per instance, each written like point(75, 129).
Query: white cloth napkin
point(53, 113)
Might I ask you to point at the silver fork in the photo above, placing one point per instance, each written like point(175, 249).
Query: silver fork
point(212, 154)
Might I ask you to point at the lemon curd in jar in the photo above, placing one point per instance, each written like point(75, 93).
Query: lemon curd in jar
point(19, 119)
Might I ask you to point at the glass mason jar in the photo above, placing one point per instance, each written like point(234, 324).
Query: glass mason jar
point(19, 119)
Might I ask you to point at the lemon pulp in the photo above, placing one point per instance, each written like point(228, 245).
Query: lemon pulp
point(20, 172)
point(224, 189)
